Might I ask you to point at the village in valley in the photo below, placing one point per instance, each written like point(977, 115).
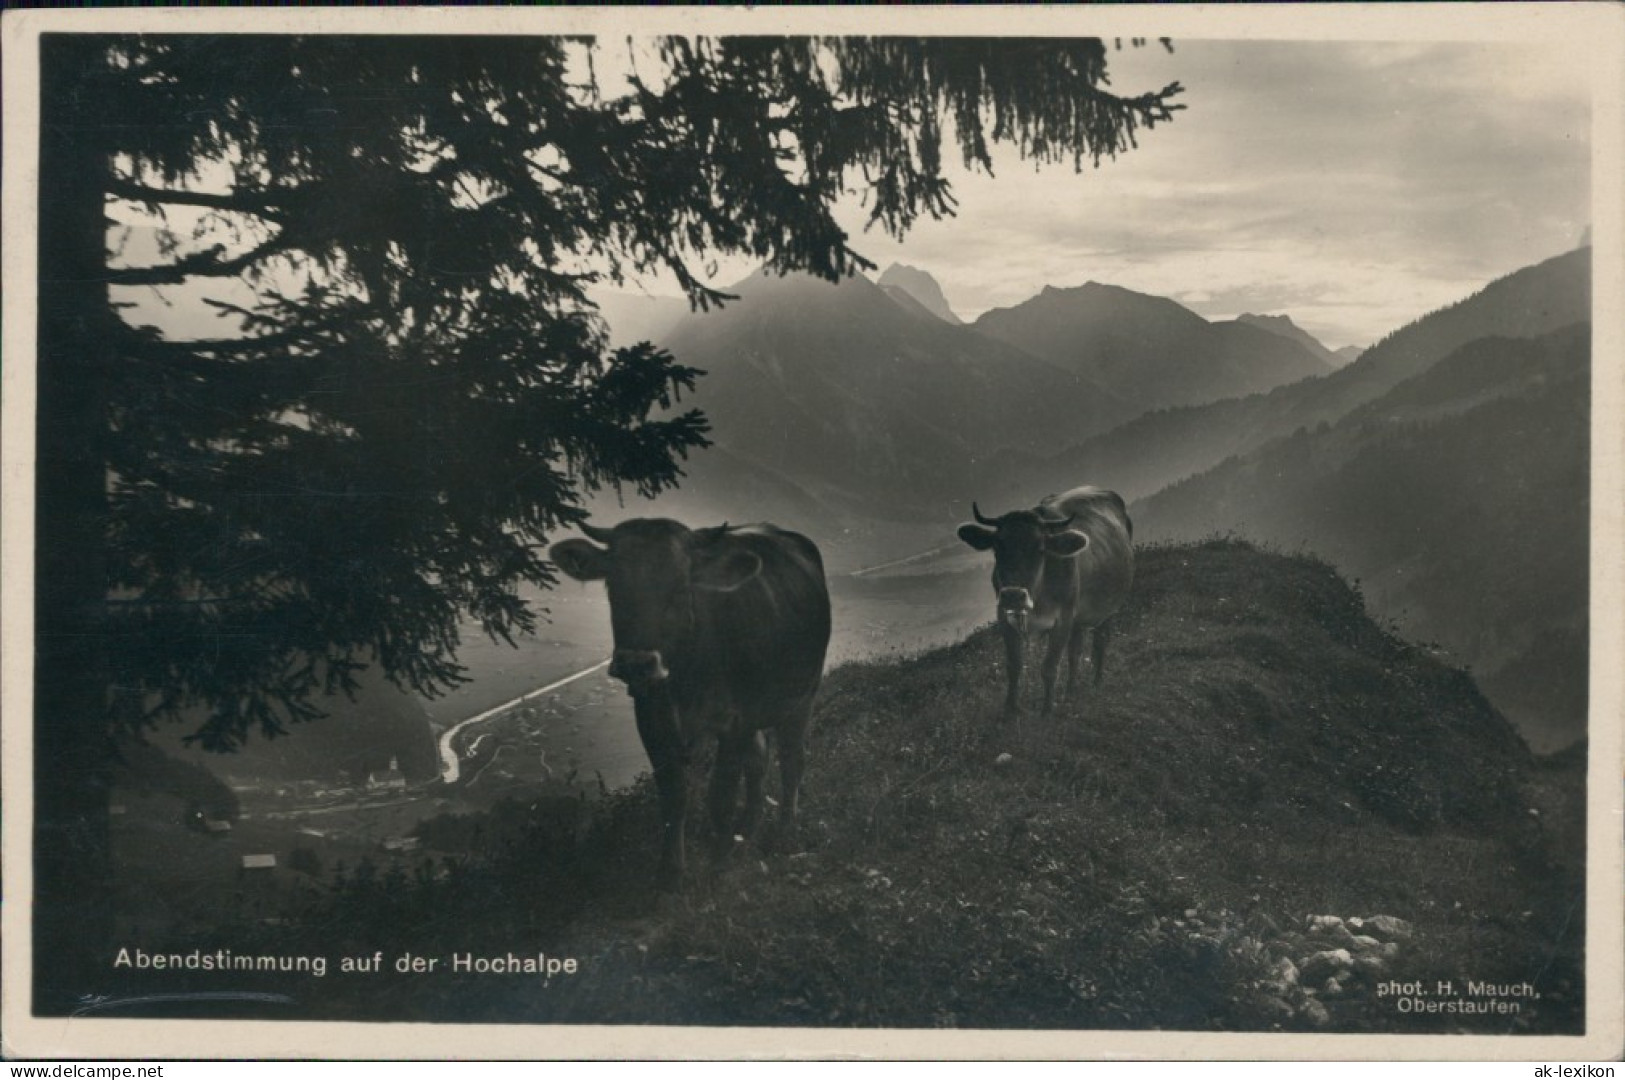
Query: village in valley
point(255, 846)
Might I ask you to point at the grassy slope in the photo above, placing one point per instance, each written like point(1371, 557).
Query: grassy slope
point(1260, 752)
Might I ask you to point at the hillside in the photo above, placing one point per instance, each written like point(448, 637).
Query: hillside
point(1460, 499)
point(720, 485)
point(357, 736)
point(1186, 848)
point(145, 770)
point(1162, 447)
point(1148, 350)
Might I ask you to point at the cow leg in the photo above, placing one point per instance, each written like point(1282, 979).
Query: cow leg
point(1074, 658)
point(755, 767)
point(666, 755)
point(1013, 642)
point(724, 797)
point(792, 741)
point(671, 781)
point(1103, 634)
point(1052, 665)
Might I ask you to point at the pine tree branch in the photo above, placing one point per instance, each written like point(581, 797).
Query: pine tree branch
point(191, 352)
point(201, 264)
point(267, 207)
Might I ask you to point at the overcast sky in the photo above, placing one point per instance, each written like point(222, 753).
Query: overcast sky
point(1353, 186)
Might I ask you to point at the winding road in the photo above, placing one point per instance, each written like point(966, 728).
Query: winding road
point(451, 765)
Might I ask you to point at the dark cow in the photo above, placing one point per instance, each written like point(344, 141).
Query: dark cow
point(1065, 566)
point(719, 633)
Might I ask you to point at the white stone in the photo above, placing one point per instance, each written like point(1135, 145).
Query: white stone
point(1329, 962)
point(1389, 927)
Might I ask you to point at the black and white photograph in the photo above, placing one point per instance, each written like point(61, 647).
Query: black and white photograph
point(914, 532)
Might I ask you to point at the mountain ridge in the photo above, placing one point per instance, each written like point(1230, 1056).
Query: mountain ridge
point(1150, 350)
point(1411, 491)
point(1163, 446)
point(860, 400)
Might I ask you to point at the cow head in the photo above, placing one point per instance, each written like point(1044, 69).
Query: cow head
point(652, 569)
point(1021, 542)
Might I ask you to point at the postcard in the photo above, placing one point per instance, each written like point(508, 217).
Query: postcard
point(669, 532)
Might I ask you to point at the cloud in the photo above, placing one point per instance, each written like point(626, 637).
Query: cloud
point(1365, 183)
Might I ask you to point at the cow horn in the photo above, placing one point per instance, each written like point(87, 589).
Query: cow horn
point(980, 520)
point(1058, 523)
point(596, 534)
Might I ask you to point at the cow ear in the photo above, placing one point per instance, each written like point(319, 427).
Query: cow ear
point(979, 537)
point(1065, 544)
point(726, 569)
point(581, 559)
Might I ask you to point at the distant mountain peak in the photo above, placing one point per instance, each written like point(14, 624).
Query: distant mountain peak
point(1098, 293)
point(920, 287)
point(1283, 326)
point(1267, 320)
point(1151, 350)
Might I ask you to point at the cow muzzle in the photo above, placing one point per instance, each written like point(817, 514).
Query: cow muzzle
point(638, 668)
point(1015, 607)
